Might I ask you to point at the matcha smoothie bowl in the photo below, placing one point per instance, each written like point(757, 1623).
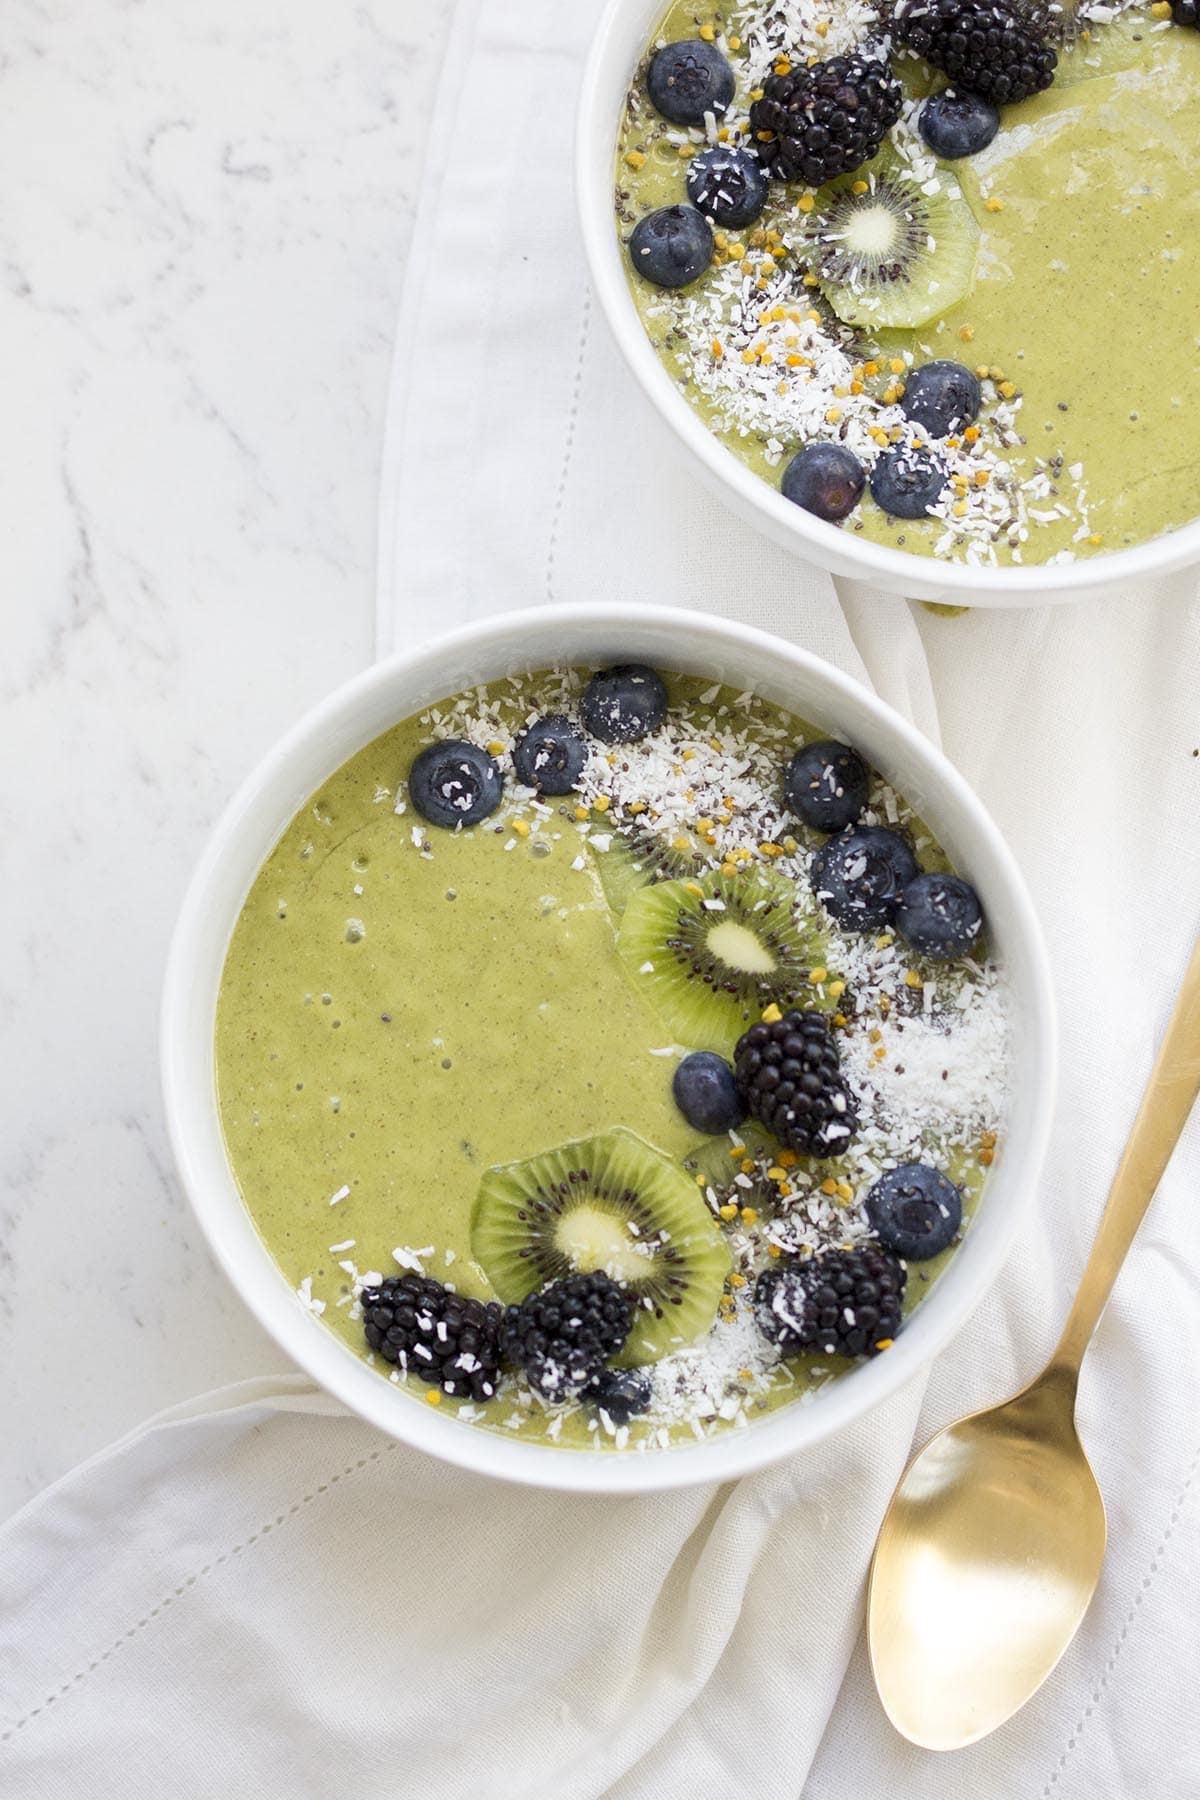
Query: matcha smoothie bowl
point(914, 279)
point(609, 1049)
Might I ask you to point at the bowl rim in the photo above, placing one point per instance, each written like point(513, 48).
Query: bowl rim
point(275, 791)
point(606, 76)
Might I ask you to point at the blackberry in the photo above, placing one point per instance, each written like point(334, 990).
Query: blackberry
point(791, 1080)
point(982, 45)
point(842, 1302)
point(563, 1336)
point(813, 124)
point(448, 1340)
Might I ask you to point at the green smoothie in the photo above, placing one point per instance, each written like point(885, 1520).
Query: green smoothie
point(403, 1008)
point(1080, 320)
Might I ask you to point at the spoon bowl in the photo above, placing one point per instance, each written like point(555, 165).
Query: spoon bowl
point(989, 1559)
point(990, 1551)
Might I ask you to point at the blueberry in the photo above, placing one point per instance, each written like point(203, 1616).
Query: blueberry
point(942, 396)
point(914, 1211)
point(907, 482)
point(672, 246)
point(826, 785)
point(454, 783)
point(620, 1392)
point(707, 1094)
point(549, 755)
point(825, 479)
point(622, 704)
point(688, 79)
point(955, 125)
point(861, 875)
point(940, 916)
point(728, 186)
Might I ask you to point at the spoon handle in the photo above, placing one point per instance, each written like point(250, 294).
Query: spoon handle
point(1172, 1088)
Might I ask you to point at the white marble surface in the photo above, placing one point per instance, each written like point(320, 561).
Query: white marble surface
point(204, 216)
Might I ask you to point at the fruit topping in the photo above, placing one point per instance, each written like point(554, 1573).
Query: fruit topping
point(671, 247)
point(842, 1302)
point(448, 1340)
point(825, 479)
point(634, 857)
point(886, 252)
point(940, 916)
point(791, 1080)
point(942, 397)
point(612, 1203)
point(621, 1393)
point(728, 186)
point(563, 1335)
point(861, 875)
point(624, 704)
point(685, 80)
point(549, 755)
point(908, 482)
point(813, 124)
point(826, 785)
point(711, 954)
point(956, 124)
point(914, 1211)
point(983, 46)
point(707, 1094)
point(454, 783)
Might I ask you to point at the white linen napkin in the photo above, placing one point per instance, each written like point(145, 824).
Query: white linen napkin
point(258, 1595)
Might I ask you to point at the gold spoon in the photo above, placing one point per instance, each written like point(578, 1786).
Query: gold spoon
point(990, 1551)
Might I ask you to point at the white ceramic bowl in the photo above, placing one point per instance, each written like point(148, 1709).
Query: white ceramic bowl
point(393, 690)
point(620, 41)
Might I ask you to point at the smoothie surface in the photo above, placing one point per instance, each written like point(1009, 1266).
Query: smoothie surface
point(403, 1007)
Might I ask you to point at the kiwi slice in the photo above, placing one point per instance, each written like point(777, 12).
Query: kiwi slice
point(635, 858)
point(615, 1203)
point(712, 953)
point(892, 254)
